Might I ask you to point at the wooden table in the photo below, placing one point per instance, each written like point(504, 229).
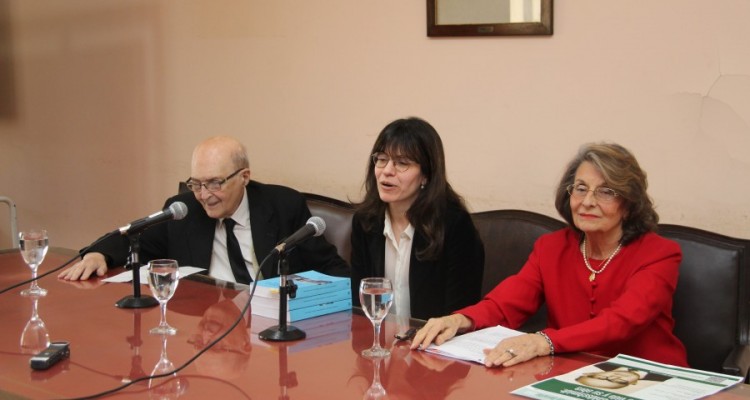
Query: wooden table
point(110, 346)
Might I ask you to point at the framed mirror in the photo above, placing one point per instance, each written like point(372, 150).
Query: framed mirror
point(489, 17)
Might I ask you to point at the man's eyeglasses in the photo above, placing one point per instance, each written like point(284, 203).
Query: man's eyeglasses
point(213, 185)
point(603, 194)
point(400, 163)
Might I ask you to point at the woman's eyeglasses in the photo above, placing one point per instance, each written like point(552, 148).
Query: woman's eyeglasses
point(603, 194)
point(400, 163)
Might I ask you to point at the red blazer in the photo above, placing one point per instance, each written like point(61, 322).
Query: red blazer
point(627, 309)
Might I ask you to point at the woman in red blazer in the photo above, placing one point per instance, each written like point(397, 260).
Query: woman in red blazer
point(607, 279)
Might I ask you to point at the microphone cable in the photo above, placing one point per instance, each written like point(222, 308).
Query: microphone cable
point(53, 270)
point(198, 354)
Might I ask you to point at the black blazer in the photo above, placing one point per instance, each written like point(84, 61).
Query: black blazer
point(436, 287)
point(275, 213)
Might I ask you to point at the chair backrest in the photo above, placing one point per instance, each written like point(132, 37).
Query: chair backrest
point(182, 187)
point(508, 237)
point(338, 217)
point(712, 298)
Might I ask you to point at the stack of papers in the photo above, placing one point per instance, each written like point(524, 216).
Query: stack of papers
point(317, 294)
point(470, 346)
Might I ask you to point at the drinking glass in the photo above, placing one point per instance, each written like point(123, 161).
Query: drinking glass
point(34, 245)
point(376, 297)
point(163, 276)
point(35, 336)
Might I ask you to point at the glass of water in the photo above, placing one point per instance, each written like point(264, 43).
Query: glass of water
point(163, 276)
point(376, 297)
point(34, 244)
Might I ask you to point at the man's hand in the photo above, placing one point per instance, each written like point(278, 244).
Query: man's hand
point(84, 269)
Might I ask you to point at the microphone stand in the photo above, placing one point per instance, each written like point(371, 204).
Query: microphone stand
point(282, 332)
point(136, 300)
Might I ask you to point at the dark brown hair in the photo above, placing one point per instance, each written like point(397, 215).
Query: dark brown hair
point(417, 140)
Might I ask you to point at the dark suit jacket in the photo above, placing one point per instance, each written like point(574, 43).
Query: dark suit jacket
point(275, 213)
point(436, 287)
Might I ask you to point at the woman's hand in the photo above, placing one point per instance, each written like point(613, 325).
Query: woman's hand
point(515, 350)
point(438, 330)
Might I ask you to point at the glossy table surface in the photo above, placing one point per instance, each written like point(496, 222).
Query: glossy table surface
point(110, 346)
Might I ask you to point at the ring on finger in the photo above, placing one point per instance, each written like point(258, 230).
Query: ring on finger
point(511, 352)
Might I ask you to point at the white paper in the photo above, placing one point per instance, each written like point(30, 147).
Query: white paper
point(127, 276)
point(470, 346)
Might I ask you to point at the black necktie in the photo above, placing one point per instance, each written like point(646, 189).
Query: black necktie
point(239, 269)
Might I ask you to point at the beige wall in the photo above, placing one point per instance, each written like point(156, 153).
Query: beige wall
point(111, 96)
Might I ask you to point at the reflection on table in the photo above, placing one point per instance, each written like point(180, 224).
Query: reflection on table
point(171, 386)
point(35, 336)
point(110, 346)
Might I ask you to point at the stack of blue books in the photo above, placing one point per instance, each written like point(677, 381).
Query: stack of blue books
point(317, 294)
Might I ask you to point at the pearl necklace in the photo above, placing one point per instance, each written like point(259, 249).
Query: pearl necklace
point(603, 265)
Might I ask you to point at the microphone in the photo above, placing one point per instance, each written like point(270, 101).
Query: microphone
point(176, 210)
point(315, 226)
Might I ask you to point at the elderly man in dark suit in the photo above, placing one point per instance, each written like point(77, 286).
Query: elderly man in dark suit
point(225, 208)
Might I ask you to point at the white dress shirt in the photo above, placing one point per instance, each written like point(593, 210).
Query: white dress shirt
point(397, 260)
point(220, 267)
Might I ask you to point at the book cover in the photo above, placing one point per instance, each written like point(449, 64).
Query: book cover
point(308, 283)
point(301, 302)
point(305, 312)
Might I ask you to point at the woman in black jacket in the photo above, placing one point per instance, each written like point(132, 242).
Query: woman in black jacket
point(413, 228)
